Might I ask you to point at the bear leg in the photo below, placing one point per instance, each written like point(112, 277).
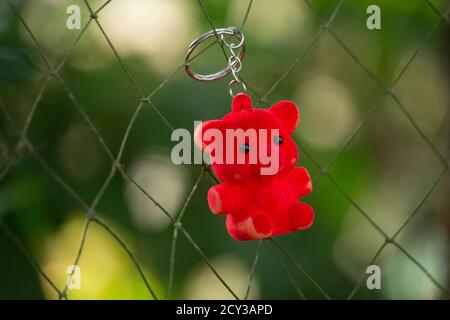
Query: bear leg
point(301, 215)
point(257, 225)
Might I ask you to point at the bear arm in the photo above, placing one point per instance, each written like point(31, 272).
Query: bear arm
point(300, 181)
point(225, 198)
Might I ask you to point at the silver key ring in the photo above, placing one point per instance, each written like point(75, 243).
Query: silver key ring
point(231, 31)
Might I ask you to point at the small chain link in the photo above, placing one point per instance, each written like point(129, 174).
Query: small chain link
point(234, 62)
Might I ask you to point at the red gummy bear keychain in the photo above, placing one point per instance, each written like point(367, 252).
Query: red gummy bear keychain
point(254, 156)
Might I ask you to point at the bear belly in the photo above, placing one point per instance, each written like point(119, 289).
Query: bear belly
point(265, 214)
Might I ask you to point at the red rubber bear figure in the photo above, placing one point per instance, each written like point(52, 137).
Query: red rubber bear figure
point(258, 206)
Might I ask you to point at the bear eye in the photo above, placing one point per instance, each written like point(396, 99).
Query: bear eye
point(278, 140)
point(245, 147)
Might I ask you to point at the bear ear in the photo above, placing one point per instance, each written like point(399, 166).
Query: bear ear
point(287, 112)
point(201, 139)
point(241, 102)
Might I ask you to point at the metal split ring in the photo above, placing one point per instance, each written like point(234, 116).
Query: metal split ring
point(221, 33)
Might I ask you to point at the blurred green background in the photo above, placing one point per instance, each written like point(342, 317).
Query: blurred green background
point(386, 169)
